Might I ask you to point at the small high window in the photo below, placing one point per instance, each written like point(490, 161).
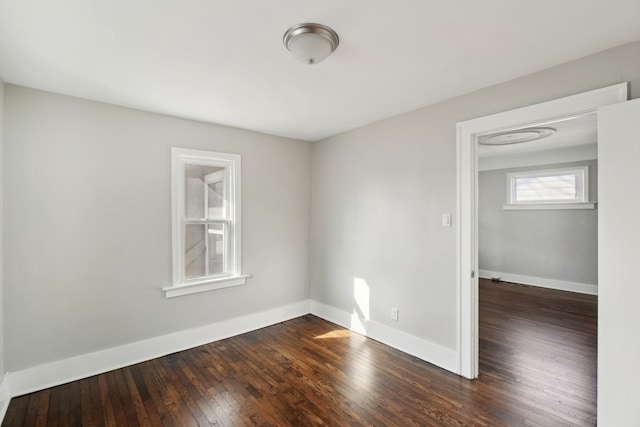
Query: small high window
point(548, 187)
point(205, 221)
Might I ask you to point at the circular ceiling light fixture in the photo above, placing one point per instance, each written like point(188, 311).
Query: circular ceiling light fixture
point(516, 136)
point(311, 43)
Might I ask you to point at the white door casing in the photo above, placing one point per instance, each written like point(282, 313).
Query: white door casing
point(619, 251)
point(467, 219)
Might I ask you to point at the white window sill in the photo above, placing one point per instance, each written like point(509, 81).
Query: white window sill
point(549, 206)
point(205, 285)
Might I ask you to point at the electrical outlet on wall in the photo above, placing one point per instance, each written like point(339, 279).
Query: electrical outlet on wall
point(394, 313)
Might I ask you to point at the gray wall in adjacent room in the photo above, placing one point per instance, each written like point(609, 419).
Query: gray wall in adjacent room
point(558, 244)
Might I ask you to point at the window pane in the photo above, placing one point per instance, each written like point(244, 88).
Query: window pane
point(215, 202)
point(195, 251)
point(195, 195)
point(216, 234)
point(204, 250)
point(546, 188)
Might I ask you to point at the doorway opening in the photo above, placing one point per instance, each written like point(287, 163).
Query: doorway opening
point(537, 261)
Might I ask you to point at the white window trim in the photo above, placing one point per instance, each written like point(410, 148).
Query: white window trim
point(548, 206)
point(580, 202)
point(233, 276)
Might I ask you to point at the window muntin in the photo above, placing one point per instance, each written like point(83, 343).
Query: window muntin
point(206, 218)
point(570, 185)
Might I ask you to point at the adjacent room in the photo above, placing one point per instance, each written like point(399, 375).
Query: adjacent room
point(538, 245)
point(287, 213)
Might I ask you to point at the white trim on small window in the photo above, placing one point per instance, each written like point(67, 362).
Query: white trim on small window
point(549, 206)
point(566, 188)
point(206, 221)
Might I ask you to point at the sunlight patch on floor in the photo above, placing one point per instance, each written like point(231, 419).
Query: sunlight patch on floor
point(338, 333)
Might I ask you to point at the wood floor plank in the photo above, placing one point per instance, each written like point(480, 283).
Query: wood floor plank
point(85, 403)
point(108, 401)
point(156, 402)
point(17, 410)
point(538, 366)
point(32, 410)
point(98, 415)
point(43, 408)
point(53, 416)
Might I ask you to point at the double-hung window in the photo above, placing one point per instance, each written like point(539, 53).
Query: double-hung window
point(206, 225)
point(549, 189)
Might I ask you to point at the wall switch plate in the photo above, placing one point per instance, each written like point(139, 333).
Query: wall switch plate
point(394, 313)
point(446, 220)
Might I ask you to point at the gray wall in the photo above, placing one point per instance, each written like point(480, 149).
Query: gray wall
point(550, 244)
point(379, 192)
point(88, 225)
point(87, 221)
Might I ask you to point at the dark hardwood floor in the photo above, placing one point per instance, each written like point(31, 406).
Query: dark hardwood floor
point(537, 363)
point(539, 347)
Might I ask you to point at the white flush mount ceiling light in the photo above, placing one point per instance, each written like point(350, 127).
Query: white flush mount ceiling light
point(311, 43)
point(516, 136)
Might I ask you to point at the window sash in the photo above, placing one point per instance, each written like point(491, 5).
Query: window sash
point(194, 252)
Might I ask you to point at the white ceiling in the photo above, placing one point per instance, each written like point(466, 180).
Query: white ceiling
point(224, 62)
point(575, 140)
point(572, 132)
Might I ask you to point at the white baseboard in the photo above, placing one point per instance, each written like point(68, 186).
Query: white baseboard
point(5, 396)
point(74, 368)
point(428, 351)
point(541, 282)
point(86, 365)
